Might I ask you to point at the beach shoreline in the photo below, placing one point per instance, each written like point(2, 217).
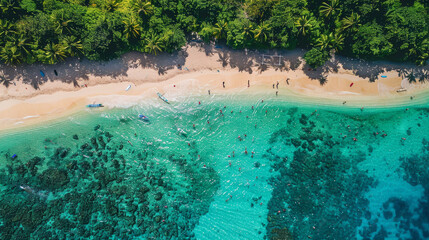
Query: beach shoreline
point(196, 74)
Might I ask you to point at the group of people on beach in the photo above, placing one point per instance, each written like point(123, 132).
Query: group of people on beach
point(276, 85)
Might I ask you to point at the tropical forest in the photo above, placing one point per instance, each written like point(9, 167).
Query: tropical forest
point(49, 31)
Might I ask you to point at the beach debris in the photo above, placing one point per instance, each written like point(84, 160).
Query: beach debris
point(42, 73)
point(128, 87)
point(55, 72)
point(401, 90)
point(383, 76)
point(14, 156)
point(351, 84)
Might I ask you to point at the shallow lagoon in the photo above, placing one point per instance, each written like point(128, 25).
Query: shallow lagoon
point(336, 173)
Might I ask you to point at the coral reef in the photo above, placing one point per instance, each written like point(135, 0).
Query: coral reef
point(104, 188)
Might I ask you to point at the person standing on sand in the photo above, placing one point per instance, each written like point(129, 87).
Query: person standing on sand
point(273, 85)
point(248, 83)
point(209, 92)
point(287, 81)
point(223, 84)
point(277, 86)
point(277, 93)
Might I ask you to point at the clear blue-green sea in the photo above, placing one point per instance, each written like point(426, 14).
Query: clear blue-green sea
point(240, 168)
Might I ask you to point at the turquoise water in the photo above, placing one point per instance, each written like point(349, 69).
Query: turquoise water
point(310, 171)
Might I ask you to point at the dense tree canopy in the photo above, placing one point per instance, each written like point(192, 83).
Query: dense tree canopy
point(49, 31)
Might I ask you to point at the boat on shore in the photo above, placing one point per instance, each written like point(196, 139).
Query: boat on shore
point(143, 118)
point(162, 98)
point(95, 105)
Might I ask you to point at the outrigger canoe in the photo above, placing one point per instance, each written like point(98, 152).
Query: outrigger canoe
point(143, 117)
point(162, 97)
point(95, 105)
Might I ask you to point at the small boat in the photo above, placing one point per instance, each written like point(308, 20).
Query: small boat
point(95, 105)
point(128, 88)
point(162, 97)
point(143, 117)
point(401, 90)
point(182, 132)
point(42, 73)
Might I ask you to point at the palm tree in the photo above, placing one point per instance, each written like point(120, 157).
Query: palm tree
point(329, 9)
point(72, 46)
point(247, 30)
point(420, 51)
point(331, 41)
point(61, 23)
point(10, 54)
point(111, 5)
point(325, 41)
point(142, 7)
point(52, 53)
point(154, 44)
point(132, 28)
point(351, 22)
point(6, 30)
point(304, 25)
point(219, 30)
point(261, 32)
point(338, 42)
point(23, 44)
point(9, 7)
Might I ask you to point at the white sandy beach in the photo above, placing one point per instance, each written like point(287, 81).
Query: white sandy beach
point(22, 104)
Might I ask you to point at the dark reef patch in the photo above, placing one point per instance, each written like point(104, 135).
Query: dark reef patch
point(318, 191)
point(104, 188)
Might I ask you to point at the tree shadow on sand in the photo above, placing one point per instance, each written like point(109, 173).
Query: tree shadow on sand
point(5, 81)
point(74, 70)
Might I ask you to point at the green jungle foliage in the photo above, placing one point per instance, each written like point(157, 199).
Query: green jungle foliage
point(49, 31)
